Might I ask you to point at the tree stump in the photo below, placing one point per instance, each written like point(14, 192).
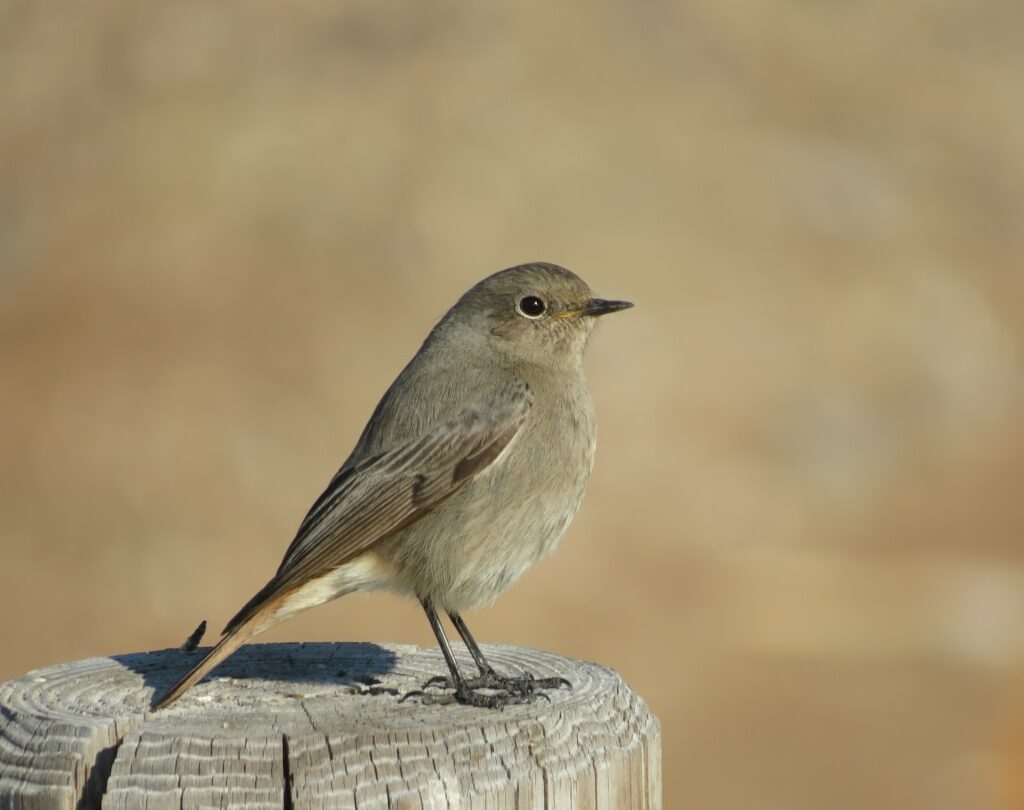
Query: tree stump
point(321, 725)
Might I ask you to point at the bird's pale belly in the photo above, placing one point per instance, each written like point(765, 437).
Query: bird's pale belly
point(477, 544)
point(468, 563)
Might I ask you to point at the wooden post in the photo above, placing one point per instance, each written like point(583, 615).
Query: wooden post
point(321, 725)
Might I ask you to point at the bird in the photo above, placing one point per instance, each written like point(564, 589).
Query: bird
point(469, 470)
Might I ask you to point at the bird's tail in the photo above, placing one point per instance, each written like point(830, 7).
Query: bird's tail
point(234, 638)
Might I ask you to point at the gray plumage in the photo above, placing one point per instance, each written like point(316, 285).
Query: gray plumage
point(469, 470)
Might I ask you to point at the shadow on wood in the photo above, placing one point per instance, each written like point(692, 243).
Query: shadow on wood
point(299, 725)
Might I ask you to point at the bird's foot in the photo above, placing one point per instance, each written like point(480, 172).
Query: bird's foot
point(488, 690)
point(466, 695)
point(517, 685)
point(525, 684)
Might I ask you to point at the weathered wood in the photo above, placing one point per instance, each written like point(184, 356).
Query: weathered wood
point(314, 725)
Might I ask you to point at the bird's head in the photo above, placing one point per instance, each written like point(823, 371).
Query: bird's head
point(536, 314)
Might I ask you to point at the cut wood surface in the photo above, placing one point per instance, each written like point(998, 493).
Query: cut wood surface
point(322, 725)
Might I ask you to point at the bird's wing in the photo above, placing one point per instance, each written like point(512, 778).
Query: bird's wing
point(374, 498)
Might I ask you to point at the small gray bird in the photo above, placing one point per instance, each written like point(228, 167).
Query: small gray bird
point(469, 471)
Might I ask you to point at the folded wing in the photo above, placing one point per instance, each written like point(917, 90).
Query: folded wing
point(376, 497)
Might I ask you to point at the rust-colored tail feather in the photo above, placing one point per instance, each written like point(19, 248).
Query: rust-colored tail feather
point(232, 640)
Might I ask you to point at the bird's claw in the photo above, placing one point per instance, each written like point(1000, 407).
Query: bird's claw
point(527, 684)
point(488, 690)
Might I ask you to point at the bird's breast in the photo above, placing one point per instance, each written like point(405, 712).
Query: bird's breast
point(476, 544)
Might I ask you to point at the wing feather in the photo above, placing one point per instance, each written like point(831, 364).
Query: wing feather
point(371, 499)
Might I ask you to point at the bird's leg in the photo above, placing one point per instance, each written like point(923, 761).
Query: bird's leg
point(442, 640)
point(465, 691)
point(487, 672)
point(474, 648)
point(524, 684)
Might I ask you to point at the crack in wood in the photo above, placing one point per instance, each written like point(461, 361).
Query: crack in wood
point(95, 787)
point(286, 776)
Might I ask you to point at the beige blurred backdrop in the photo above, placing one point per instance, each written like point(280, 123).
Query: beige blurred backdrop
point(224, 228)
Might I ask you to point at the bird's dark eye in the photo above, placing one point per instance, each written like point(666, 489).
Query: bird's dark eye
point(531, 306)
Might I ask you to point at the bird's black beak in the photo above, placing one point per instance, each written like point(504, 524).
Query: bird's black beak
point(598, 306)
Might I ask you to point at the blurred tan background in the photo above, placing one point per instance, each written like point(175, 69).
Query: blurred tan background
point(224, 227)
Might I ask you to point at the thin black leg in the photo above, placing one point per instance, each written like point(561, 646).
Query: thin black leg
point(471, 645)
point(442, 640)
point(464, 692)
point(524, 684)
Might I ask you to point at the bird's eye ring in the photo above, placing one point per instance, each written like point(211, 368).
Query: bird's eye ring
point(531, 306)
